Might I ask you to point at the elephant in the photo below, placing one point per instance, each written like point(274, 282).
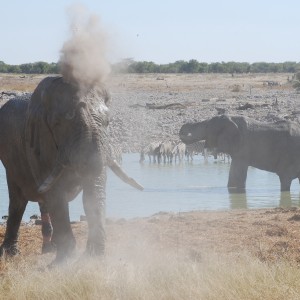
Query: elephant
point(53, 146)
point(273, 147)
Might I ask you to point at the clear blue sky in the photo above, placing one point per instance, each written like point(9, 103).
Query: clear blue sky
point(161, 31)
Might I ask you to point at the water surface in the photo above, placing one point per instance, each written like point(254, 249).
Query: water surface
point(199, 185)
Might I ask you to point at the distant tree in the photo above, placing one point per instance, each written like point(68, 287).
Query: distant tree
point(203, 67)
point(260, 67)
point(3, 67)
point(216, 67)
point(290, 67)
point(192, 66)
point(53, 68)
point(236, 67)
point(13, 69)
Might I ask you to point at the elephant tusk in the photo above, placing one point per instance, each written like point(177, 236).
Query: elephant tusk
point(51, 179)
point(115, 167)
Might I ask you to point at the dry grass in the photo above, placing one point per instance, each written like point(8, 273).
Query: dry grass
point(17, 82)
point(166, 82)
point(195, 82)
point(160, 275)
point(241, 254)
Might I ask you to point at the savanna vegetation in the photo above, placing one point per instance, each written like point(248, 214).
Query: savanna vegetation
point(242, 254)
point(163, 277)
point(181, 66)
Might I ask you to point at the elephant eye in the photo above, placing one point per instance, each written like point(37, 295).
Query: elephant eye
point(70, 115)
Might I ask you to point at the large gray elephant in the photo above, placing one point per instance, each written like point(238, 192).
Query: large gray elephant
point(52, 147)
point(273, 147)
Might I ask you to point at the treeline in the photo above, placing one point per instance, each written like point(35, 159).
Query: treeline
point(30, 68)
point(181, 66)
point(193, 66)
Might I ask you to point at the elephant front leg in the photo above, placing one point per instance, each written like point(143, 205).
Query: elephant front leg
point(94, 207)
point(237, 174)
point(63, 237)
point(17, 205)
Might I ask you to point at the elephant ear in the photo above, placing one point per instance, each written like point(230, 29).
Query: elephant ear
point(229, 136)
point(41, 150)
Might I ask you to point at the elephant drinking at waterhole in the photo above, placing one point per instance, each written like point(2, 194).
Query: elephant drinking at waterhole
point(273, 147)
point(52, 147)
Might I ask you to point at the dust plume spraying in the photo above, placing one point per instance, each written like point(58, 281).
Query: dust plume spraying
point(83, 59)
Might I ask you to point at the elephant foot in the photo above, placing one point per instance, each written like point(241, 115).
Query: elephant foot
point(95, 249)
point(63, 251)
point(48, 247)
point(58, 262)
point(236, 190)
point(8, 250)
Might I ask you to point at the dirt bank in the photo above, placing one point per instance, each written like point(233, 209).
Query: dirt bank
point(269, 234)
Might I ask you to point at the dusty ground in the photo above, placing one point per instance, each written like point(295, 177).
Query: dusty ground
point(270, 234)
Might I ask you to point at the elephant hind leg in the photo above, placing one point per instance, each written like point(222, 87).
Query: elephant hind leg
point(62, 232)
point(285, 183)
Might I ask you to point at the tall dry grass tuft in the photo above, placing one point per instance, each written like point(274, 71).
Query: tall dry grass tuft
point(165, 276)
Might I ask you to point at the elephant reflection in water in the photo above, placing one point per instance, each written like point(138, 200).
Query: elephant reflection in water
point(273, 147)
point(239, 200)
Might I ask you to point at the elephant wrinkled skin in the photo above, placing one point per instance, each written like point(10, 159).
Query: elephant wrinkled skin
point(273, 147)
point(52, 147)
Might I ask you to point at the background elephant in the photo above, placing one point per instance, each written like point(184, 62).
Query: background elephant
point(52, 147)
point(274, 147)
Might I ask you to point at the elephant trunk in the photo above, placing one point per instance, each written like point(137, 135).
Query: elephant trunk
point(86, 148)
point(192, 132)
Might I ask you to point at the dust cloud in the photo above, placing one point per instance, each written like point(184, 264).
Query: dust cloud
point(83, 61)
